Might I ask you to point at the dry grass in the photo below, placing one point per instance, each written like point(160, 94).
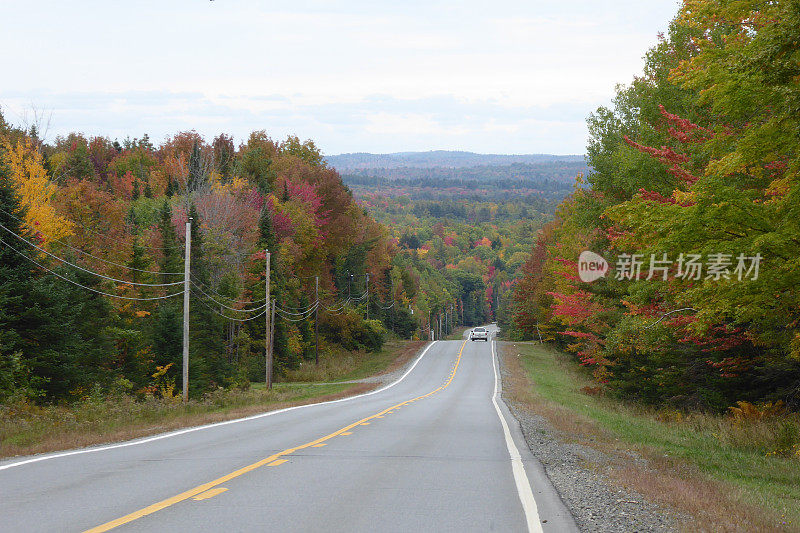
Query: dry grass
point(29, 429)
point(718, 499)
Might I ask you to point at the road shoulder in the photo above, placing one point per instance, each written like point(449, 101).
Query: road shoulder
point(582, 474)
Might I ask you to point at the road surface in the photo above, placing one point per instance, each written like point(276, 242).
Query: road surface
point(436, 450)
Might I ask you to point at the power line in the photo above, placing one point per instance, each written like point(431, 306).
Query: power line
point(87, 270)
point(306, 312)
point(234, 300)
point(64, 243)
point(230, 317)
point(84, 286)
point(222, 304)
point(300, 318)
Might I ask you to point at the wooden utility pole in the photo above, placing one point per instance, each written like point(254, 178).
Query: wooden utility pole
point(268, 326)
point(367, 295)
point(391, 303)
point(271, 335)
point(186, 291)
point(316, 320)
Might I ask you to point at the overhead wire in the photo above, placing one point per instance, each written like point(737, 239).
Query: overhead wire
point(84, 286)
point(23, 239)
point(306, 312)
point(222, 304)
point(293, 314)
point(234, 300)
point(63, 243)
point(199, 299)
point(298, 319)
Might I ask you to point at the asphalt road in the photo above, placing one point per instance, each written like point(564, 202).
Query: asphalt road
point(429, 453)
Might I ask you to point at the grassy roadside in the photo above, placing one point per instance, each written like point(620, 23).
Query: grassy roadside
point(28, 429)
point(457, 334)
point(724, 473)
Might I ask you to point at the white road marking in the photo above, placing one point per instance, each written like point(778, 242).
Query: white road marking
point(517, 467)
point(216, 424)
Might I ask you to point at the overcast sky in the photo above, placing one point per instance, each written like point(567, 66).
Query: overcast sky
point(493, 77)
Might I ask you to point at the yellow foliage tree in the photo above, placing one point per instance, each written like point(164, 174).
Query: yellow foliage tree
point(35, 190)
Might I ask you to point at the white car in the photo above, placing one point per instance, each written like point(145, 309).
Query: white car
point(479, 334)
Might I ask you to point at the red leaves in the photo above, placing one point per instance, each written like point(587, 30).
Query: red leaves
point(667, 156)
point(730, 367)
point(685, 130)
point(658, 197)
point(614, 234)
point(682, 130)
point(281, 223)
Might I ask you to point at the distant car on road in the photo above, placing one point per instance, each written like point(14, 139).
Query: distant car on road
point(479, 334)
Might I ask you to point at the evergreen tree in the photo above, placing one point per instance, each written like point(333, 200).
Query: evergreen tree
point(172, 254)
point(208, 364)
point(196, 174)
point(58, 332)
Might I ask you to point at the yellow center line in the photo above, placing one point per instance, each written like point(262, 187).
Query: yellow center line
point(198, 490)
point(209, 493)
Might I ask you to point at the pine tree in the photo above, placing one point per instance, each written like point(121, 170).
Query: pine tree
point(196, 174)
point(56, 331)
point(15, 268)
point(171, 257)
point(209, 366)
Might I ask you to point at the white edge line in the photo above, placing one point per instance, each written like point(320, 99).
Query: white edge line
point(517, 467)
point(215, 424)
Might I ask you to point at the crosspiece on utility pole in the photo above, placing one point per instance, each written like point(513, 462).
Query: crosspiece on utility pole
point(186, 291)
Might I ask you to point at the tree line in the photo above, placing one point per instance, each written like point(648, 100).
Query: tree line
point(694, 201)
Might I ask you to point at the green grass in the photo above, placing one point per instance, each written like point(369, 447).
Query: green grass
point(337, 364)
point(740, 453)
point(457, 334)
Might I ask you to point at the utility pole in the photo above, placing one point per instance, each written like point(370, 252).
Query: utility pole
point(367, 295)
point(271, 339)
point(268, 328)
point(391, 303)
point(316, 320)
point(186, 291)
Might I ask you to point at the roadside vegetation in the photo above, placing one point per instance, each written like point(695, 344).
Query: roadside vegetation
point(693, 201)
point(734, 472)
point(27, 428)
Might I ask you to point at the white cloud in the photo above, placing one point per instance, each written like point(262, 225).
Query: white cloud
point(354, 76)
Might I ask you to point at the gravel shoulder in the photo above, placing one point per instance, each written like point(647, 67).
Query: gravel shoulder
point(582, 476)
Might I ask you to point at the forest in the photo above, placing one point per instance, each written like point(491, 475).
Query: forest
point(92, 264)
point(695, 162)
point(473, 246)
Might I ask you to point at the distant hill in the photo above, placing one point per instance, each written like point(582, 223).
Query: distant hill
point(347, 163)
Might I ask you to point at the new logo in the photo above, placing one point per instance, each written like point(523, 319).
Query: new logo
point(591, 266)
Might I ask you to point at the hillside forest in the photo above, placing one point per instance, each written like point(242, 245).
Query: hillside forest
point(92, 262)
point(694, 201)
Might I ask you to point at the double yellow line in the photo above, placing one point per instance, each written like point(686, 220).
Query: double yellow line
point(150, 509)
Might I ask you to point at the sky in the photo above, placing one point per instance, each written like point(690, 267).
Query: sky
point(372, 76)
